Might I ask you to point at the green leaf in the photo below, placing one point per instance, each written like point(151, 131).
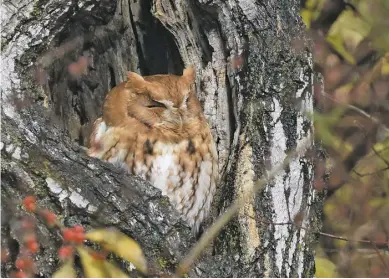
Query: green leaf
point(337, 42)
point(311, 11)
point(325, 268)
point(113, 271)
point(120, 244)
point(385, 65)
point(66, 270)
point(346, 33)
point(306, 15)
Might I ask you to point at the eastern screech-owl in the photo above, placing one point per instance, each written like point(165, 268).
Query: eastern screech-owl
point(154, 127)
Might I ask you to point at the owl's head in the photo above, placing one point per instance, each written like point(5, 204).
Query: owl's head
point(166, 102)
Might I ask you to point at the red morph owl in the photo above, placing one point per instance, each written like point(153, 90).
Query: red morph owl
point(154, 127)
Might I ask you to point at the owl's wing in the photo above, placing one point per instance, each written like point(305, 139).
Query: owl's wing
point(112, 143)
point(95, 136)
point(101, 139)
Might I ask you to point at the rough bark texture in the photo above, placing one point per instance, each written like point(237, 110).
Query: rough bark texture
point(254, 87)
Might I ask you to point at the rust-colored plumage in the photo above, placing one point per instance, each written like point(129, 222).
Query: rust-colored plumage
point(154, 127)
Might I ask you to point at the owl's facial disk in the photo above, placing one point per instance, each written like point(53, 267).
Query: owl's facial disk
point(164, 101)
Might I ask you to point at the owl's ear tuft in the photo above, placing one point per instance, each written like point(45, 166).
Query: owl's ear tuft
point(189, 74)
point(134, 77)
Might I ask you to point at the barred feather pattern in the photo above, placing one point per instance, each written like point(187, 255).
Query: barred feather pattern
point(186, 170)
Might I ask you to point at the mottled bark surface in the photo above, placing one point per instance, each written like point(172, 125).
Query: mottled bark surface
point(255, 89)
point(40, 160)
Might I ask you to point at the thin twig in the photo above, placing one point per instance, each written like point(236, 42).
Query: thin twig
point(380, 156)
point(352, 240)
point(360, 111)
point(321, 233)
point(381, 258)
point(222, 220)
point(370, 173)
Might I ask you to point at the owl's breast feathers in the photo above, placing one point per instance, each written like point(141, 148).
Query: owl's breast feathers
point(185, 169)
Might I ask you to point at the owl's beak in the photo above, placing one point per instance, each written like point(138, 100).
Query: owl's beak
point(178, 113)
point(181, 124)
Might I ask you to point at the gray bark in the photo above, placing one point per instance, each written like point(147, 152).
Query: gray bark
point(256, 110)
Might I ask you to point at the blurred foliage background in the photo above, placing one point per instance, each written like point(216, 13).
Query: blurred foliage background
point(351, 51)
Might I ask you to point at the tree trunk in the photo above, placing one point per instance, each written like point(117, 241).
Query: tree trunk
point(254, 80)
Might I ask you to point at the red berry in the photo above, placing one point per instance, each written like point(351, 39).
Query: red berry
point(4, 255)
point(68, 234)
point(78, 229)
point(20, 264)
point(75, 234)
point(79, 238)
point(65, 252)
point(29, 199)
point(375, 271)
point(30, 203)
point(50, 216)
point(79, 234)
point(29, 237)
point(30, 207)
point(97, 255)
point(24, 263)
point(32, 245)
point(82, 63)
point(20, 274)
point(27, 224)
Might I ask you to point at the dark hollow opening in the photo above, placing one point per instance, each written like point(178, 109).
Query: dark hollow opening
point(111, 47)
